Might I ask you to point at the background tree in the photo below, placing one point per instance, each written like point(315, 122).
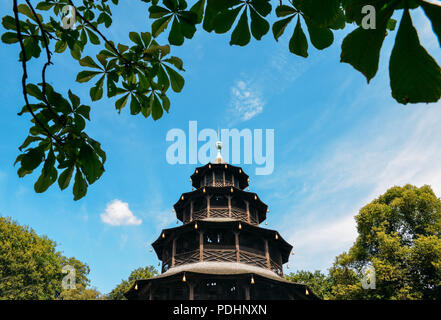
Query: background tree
point(124, 286)
point(30, 265)
point(399, 234)
point(139, 74)
point(319, 282)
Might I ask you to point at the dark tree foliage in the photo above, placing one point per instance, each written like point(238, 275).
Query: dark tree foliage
point(140, 73)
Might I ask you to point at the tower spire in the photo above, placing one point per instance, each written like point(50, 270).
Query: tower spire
point(219, 158)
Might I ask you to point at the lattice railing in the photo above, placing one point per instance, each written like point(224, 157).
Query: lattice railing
point(239, 214)
point(219, 213)
point(252, 258)
point(200, 214)
point(276, 268)
point(187, 257)
point(219, 255)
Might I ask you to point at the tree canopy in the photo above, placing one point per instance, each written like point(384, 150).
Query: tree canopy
point(137, 274)
point(140, 74)
point(31, 267)
point(399, 235)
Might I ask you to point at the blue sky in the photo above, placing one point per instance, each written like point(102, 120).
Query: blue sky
point(339, 143)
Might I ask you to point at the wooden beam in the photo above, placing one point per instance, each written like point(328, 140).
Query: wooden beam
point(173, 252)
point(236, 238)
point(267, 256)
point(201, 246)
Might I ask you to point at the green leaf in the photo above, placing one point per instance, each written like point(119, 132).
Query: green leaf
point(158, 12)
point(259, 26)
point(85, 76)
point(97, 91)
point(48, 174)
point(121, 102)
point(241, 34)
point(156, 108)
point(224, 21)
point(34, 91)
point(321, 38)
point(414, 75)
point(65, 177)
point(361, 48)
point(84, 111)
point(198, 8)
point(136, 38)
point(280, 26)
point(177, 62)
point(176, 80)
point(93, 37)
point(160, 25)
point(88, 62)
point(433, 12)
point(175, 36)
point(80, 186)
point(298, 44)
point(90, 163)
point(322, 12)
point(284, 10)
point(263, 7)
point(9, 37)
point(32, 159)
point(135, 106)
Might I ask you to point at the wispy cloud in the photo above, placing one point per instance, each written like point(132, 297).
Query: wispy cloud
point(246, 102)
point(118, 214)
point(351, 172)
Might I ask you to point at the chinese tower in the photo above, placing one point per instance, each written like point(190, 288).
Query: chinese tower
point(220, 252)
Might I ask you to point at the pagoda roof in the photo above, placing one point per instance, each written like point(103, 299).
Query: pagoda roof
point(250, 196)
point(201, 171)
point(285, 247)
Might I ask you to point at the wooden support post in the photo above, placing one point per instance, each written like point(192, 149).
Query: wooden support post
point(247, 292)
point(191, 291)
point(267, 255)
point(229, 206)
point(248, 211)
point(173, 252)
point(201, 246)
point(214, 181)
point(236, 238)
point(191, 211)
point(208, 206)
point(223, 173)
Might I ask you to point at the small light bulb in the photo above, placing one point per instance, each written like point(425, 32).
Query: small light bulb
point(232, 189)
point(182, 198)
point(252, 280)
point(151, 250)
point(209, 166)
point(226, 166)
point(277, 236)
point(255, 197)
point(184, 278)
point(240, 226)
point(195, 225)
point(240, 170)
point(136, 286)
point(163, 235)
point(307, 292)
point(266, 223)
point(203, 190)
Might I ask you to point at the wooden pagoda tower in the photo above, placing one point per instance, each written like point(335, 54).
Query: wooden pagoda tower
point(220, 252)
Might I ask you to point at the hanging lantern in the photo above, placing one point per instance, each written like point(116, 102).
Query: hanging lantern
point(209, 166)
point(163, 235)
point(191, 180)
point(177, 221)
point(226, 166)
point(240, 170)
point(196, 225)
point(232, 189)
point(184, 279)
point(248, 180)
point(277, 236)
point(196, 171)
point(159, 263)
point(151, 250)
point(267, 210)
point(266, 223)
point(136, 286)
point(307, 292)
point(248, 189)
point(255, 197)
point(252, 280)
point(203, 190)
point(182, 197)
point(292, 253)
point(240, 226)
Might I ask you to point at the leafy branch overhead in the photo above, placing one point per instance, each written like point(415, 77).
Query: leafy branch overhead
point(140, 73)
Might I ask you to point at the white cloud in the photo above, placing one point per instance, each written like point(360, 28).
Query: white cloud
point(119, 214)
point(246, 103)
